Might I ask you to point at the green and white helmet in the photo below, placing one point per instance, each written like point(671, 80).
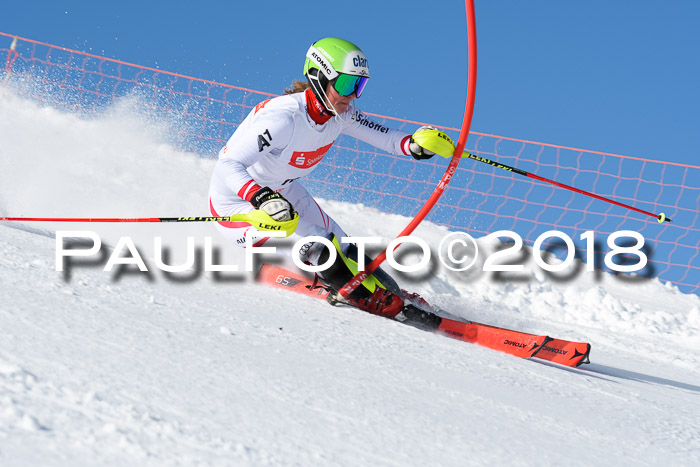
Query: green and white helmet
point(339, 62)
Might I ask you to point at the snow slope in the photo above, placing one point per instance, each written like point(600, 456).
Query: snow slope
point(132, 368)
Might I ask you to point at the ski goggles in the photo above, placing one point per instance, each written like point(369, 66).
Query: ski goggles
point(345, 85)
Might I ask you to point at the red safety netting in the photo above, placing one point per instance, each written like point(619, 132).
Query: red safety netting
point(480, 199)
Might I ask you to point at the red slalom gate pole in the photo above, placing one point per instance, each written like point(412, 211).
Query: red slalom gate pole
point(355, 282)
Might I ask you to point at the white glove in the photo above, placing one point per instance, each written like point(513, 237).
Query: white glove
point(417, 151)
point(273, 204)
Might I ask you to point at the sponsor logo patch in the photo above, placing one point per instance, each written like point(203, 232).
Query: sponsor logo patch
point(372, 125)
point(359, 61)
point(261, 105)
point(306, 159)
point(322, 63)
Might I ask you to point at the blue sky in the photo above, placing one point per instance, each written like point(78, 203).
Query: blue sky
point(618, 77)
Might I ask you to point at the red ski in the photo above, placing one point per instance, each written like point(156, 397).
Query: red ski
point(516, 343)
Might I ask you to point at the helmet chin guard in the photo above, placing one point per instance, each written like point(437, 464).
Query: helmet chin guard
point(318, 83)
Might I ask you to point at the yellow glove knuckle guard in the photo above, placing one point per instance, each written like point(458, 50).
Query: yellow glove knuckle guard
point(263, 222)
point(435, 141)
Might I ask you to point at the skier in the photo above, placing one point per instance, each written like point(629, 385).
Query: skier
point(283, 139)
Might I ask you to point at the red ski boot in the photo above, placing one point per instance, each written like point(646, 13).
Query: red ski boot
point(408, 310)
point(381, 302)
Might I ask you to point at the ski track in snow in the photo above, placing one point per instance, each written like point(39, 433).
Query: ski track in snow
point(129, 368)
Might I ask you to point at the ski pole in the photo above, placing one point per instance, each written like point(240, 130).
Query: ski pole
point(440, 143)
point(119, 219)
point(661, 217)
point(257, 218)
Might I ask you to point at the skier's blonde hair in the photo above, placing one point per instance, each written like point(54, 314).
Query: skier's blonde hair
point(297, 86)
